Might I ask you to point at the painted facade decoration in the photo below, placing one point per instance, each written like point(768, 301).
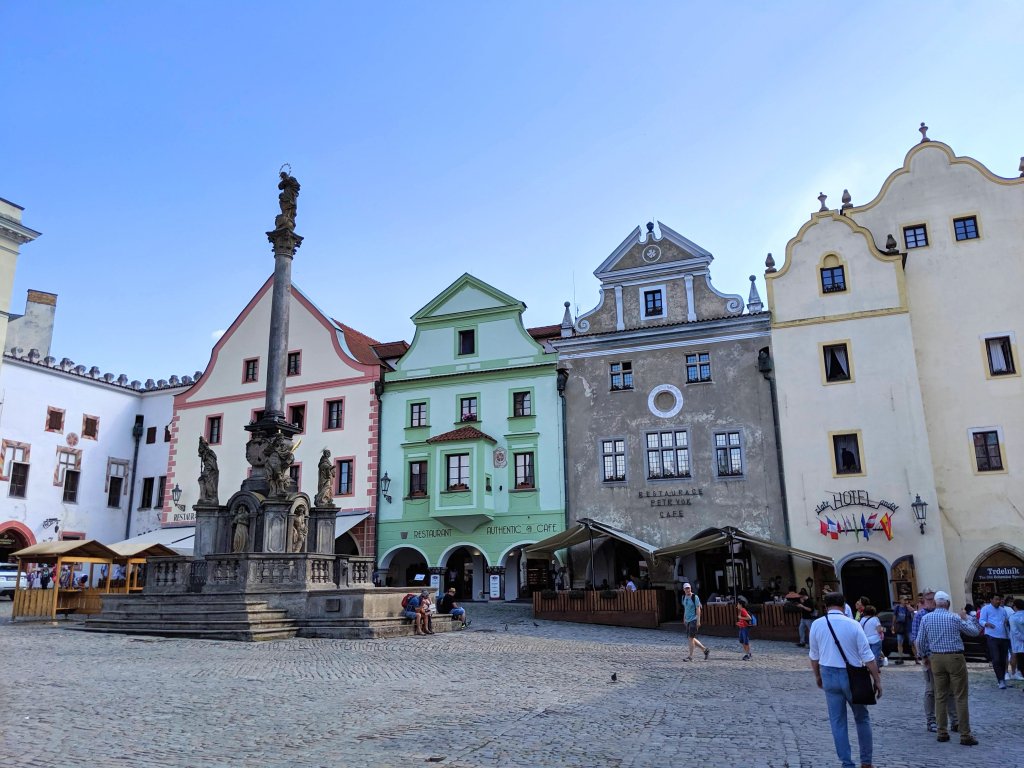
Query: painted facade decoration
point(471, 425)
point(670, 417)
point(331, 383)
point(899, 378)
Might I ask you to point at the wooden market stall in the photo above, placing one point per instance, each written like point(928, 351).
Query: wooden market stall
point(65, 595)
point(129, 574)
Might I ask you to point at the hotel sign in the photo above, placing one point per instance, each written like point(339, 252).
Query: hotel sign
point(839, 515)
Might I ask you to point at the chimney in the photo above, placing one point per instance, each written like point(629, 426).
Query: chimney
point(34, 329)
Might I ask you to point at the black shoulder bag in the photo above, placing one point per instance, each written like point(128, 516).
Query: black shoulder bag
point(861, 687)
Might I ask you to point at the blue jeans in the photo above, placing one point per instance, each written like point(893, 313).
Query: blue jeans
point(876, 648)
point(459, 613)
point(804, 629)
point(836, 685)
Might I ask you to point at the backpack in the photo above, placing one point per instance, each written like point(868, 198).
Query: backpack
point(753, 619)
point(406, 599)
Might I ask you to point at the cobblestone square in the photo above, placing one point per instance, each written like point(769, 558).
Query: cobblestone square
point(508, 691)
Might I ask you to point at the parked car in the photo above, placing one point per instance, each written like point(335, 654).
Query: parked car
point(975, 648)
point(9, 579)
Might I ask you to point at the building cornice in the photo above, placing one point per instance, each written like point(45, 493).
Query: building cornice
point(19, 233)
point(702, 332)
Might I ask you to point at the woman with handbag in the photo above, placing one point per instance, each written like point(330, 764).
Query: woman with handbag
point(845, 669)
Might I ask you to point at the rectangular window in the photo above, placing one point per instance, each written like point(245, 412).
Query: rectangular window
point(521, 405)
point(986, 451)
point(524, 471)
point(68, 459)
point(916, 236)
point(668, 454)
point(90, 427)
point(837, 362)
point(54, 420)
point(457, 478)
point(150, 435)
point(698, 367)
point(146, 497)
point(417, 479)
point(621, 375)
point(71, 486)
point(297, 416)
point(335, 414)
point(213, 430)
point(417, 414)
point(114, 488)
point(467, 409)
point(251, 369)
point(161, 487)
point(653, 304)
point(294, 363)
point(1000, 356)
point(833, 280)
point(728, 454)
point(847, 454)
point(467, 342)
point(613, 460)
point(19, 480)
point(13, 451)
point(966, 228)
point(344, 475)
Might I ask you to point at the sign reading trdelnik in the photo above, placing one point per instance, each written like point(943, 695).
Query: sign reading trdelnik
point(994, 573)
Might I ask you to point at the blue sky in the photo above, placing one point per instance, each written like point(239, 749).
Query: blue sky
point(520, 142)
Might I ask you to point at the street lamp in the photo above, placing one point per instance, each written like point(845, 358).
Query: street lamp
point(385, 483)
point(920, 511)
point(810, 587)
point(176, 497)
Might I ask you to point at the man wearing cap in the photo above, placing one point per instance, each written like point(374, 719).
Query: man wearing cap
point(448, 605)
point(939, 642)
point(927, 602)
point(691, 615)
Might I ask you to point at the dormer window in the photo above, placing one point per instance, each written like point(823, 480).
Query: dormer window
point(833, 276)
point(467, 342)
point(654, 302)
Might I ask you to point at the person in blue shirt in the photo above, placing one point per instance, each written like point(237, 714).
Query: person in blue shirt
point(997, 636)
point(414, 610)
point(691, 616)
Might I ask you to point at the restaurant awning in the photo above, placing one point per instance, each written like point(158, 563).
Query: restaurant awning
point(344, 523)
point(725, 536)
point(131, 549)
point(585, 530)
point(181, 538)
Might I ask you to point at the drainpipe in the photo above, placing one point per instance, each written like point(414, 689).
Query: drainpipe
point(378, 391)
point(766, 367)
point(561, 382)
point(137, 434)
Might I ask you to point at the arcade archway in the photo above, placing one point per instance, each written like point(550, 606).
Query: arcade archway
point(14, 536)
point(864, 576)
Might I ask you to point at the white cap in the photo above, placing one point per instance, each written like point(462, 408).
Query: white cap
point(942, 597)
point(687, 585)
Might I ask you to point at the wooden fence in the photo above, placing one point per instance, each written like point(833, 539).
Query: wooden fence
point(643, 608)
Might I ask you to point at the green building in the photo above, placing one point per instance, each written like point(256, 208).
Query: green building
point(471, 446)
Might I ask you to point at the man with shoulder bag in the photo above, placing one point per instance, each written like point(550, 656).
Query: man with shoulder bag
point(845, 668)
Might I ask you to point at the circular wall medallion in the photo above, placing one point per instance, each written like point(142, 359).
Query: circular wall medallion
point(72, 439)
point(652, 253)
point(665, 401)
point(500, 458)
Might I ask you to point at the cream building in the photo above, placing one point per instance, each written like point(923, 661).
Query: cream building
point(13, 234)
point(894, 329)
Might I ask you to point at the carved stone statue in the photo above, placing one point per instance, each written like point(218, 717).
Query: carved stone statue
point(288, 200)
point(240, 536)
point(209, 474)
point(325, 481)
point(299, 529)
point(279, 458)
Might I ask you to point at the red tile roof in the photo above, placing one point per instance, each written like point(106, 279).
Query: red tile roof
point(360, 344)
point(462, 433)
point(391, 349)
point(545, 331)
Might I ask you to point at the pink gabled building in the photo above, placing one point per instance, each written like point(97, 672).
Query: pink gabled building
point(331, 393)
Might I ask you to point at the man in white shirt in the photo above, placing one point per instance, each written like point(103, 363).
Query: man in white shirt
point(830, 674)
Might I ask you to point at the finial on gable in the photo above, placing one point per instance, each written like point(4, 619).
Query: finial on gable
point(769, 264)
point(847, 200)
point(890, 244)
point(566, 322)
point(754, 300)
point(822, 197)
point(924, 133)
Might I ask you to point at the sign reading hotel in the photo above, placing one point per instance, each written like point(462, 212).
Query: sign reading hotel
point(839, 516)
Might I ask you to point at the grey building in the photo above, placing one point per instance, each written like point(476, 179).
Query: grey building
point(670, 419)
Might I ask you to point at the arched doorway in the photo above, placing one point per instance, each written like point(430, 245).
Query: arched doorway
point(866, 577)
point(464, 569)
point(346, 545)
point(1000, 571)
point(406, 567)
point(12, 538)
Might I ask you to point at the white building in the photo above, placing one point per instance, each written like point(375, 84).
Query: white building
point(331, 391)
point(13, 234)
point(84, 453)
point(894, 331)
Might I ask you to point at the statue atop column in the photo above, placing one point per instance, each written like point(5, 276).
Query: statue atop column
point(209, 474)
point(325, 481)
point(288, 200)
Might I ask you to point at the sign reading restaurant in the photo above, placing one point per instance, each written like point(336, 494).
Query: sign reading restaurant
point(671, 497)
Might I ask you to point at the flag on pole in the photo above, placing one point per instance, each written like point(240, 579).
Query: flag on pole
point(865, 527)
point(824, 527)
point(886, 523)
point(833, 528)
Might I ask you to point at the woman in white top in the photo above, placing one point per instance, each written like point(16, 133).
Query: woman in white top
point(874, 630)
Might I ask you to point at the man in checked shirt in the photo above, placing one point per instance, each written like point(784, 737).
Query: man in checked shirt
point(939, 642)
point(926, 604)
